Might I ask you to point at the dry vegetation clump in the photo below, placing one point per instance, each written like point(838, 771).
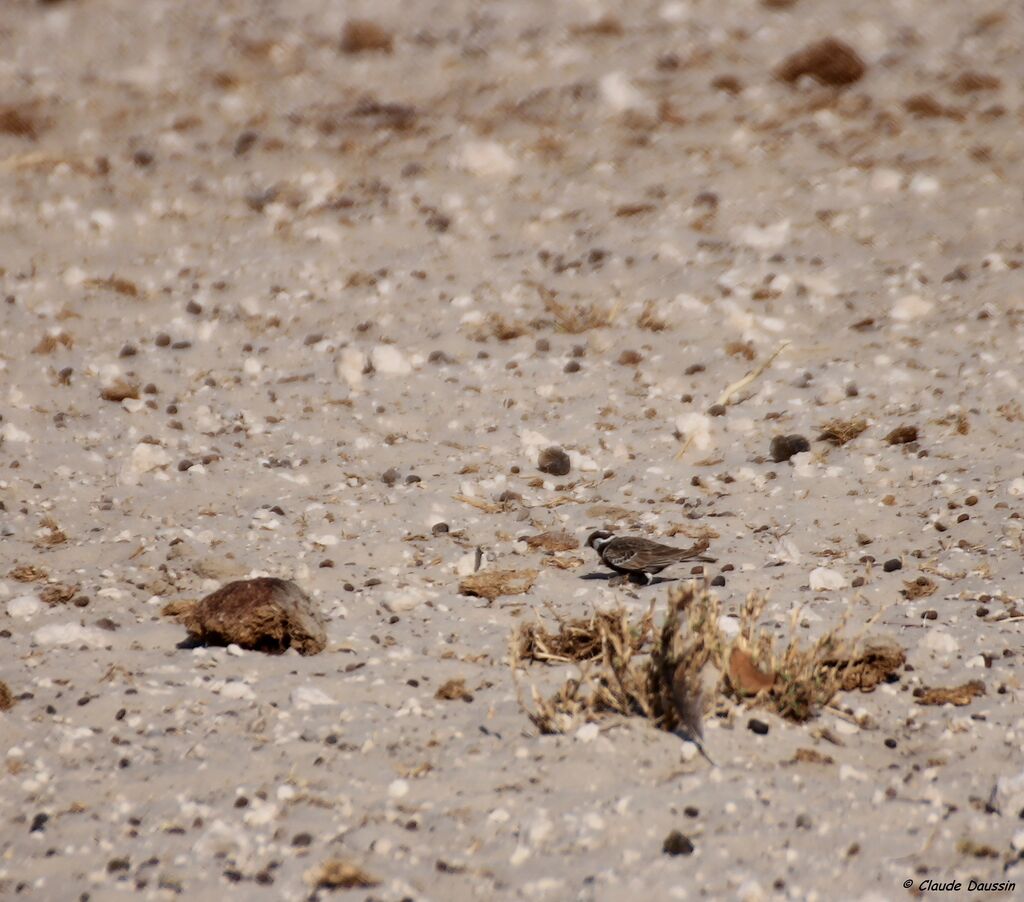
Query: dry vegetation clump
point(631, 668)
point(577, 640)
point(579, 317)
point(6, 697)
point(496, 326)
point(840, 431)
point(338, 874)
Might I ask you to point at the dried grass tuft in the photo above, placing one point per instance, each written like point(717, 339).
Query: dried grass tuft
point(839, 431)
point(497, 327)
point(577, 640)
point(579, 317)
point(630, 668)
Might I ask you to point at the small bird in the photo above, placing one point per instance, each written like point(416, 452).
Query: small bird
point(641, 558)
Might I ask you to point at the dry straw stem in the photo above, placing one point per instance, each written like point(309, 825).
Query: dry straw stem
point(664, 685)
point(751, 377)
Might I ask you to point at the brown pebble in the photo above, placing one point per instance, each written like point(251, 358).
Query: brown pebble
point(902, 435)
point(677, 843)
point(963, 518)
point(717, 410)
point(629, 358)
point(783, 447)
point(828, 61)
point(119, 391)
point(573, 366)
point(180, 345)
point(542, 346)
point(892, 564)
point(554, 460)
point(185, 465)
point(162, 340)
point(363, 35)
point(128, 350)
point(194, 308)
point(930, 614)
point(390, 476)
point(439, 529)
point(245, 142)
point(971, 500)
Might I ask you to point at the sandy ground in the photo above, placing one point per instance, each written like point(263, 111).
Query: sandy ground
point(246, 271)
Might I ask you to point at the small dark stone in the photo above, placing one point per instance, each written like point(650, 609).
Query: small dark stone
point(390, 476)
point(301, 840)
point(39, 823)
point(162, 340)
point(573, 366)
point(629, 358)
point(371, 582)
point(757, 726)
point(554, 460)
point(244, 142)
point(185, 465)
point(677, 844)
point(439, 529)
point(326, 564)
point(930, 615)
point(892, 565)
point(717, 410)
point(691, 811)
point(118, 864)
point(857, 582)
point(579, 350)
point(694, 368)
point(313, 338)
point(143, 158)
point(783, 447)
point(412, 479)
point(80, 601)
point(542, 345)
point(718, 580)
point(981, 611)
point(439, 358)
point(128, 350)
point(890, 743)
point(180, 345)
point(194, 308)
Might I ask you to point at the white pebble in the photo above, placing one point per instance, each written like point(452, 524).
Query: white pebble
point(24, 606)
point(350, 367)
point(910, 307)
point(398, 789)
point(487, 159)
point(389, 361)
point(588, 732)
point(309, 696)
point(70, 634)
point(940, 642)
point(824, 580)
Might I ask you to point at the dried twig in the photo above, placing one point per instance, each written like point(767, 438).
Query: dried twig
point(726, 397)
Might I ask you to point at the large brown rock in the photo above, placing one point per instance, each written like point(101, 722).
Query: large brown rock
point(265, 614)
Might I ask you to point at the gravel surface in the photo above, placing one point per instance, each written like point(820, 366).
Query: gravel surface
point(361, 294)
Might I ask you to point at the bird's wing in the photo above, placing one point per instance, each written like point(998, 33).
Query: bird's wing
point(639, 554)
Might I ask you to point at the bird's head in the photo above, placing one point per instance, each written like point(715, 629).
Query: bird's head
point(598, 538)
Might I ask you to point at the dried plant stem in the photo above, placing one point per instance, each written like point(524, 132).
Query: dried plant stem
point(738, 386)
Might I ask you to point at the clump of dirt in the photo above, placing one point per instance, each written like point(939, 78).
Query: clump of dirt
point(6, 697)
point(266, 614)
point(954, 695)
point(491, 584)
point(828, 61)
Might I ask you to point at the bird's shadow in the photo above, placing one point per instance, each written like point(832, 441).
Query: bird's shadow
point(608, 577)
